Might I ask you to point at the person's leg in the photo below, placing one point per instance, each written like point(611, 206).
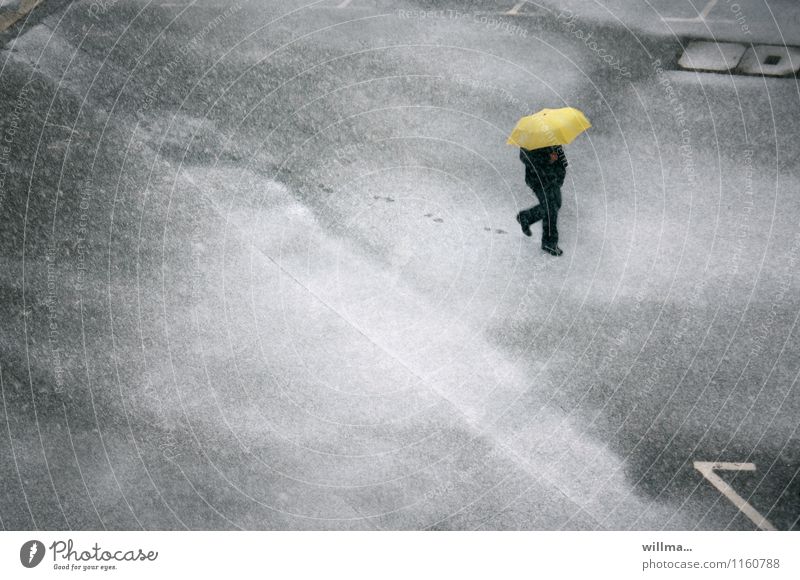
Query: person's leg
point(551, 205)
point(524, 221)
point(531, 215)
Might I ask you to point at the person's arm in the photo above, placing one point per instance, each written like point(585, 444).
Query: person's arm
point(560, 168)
point(562, 156)
point(553, 168)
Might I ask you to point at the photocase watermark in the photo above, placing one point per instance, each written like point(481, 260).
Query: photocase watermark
point(168, 71)
point(746, 210)
point(439, 491)
point(739, 16)
point(782, 290)
point(99, 8)
point(10, 127)
point(13, 124)
point(531, 300)
point(679, 112)
point(52, 319)
point(568, 21)
point(66, 557)
point(682, 328)
point(82, 232)
point(492, 23)
point(161, 433)
point(622, 336)
point(467, 81)
point(31, 553)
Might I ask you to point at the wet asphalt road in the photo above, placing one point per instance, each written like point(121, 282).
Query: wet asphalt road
point(261, 270)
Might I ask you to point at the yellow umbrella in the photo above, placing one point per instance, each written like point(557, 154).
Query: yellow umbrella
point(548, 127)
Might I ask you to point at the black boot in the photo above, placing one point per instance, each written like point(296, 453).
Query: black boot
point(552, 249)
point(522, 220)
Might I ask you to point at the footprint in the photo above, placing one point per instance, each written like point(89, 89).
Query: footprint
point(487, 229)
point(438, 220)
point(428, 215)
point(501, 231)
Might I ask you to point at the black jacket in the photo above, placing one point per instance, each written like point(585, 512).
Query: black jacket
point(541, 171)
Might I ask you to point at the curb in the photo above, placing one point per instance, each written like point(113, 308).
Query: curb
point(739, 58)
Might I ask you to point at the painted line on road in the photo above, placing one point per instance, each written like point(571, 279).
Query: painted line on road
point(700, 17)
point(707, 468)
point(515, 10)
point(707, 10)
point(9, 18)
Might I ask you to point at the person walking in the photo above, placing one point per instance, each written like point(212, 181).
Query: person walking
point(545, 170)
point(540, 138)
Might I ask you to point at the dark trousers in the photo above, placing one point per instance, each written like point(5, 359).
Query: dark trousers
point(547, 211)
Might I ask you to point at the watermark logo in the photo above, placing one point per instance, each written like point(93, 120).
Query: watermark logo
point(31, 553)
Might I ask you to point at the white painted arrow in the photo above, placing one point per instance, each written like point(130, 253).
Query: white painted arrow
point(707, 469)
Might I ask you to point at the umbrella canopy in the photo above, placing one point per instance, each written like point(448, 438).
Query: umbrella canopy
point(548, 127)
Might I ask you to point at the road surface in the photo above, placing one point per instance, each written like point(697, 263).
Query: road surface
point(261, 271)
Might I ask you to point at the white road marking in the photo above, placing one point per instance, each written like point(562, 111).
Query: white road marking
point(707, 10)
point(9, 18)
point(699, 18)
point(515, 10)
point(707, 468)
